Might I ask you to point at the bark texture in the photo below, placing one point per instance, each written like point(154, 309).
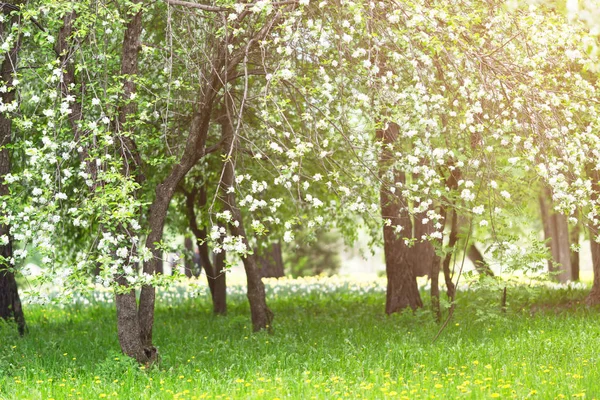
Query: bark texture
point(271, 261)
point(262, 316)
point(556, 234)
point(402, 289)
point(219, 294)
point(188, 264)
point(10, 302)
point(129, 326)
point(422, 252)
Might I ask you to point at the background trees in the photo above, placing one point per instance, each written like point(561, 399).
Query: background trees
point(425, 124)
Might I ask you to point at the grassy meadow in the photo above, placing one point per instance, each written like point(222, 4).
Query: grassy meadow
point(331, 340)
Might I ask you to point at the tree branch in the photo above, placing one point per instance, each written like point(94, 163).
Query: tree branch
point(202, 7)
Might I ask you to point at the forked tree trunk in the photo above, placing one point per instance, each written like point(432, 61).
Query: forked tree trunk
point(128, 325)
point(556, 234)
point(402, 289)
point(10, 302)
point(128, 328)
point(128, 322)
point(271, 262)
point(262, 316)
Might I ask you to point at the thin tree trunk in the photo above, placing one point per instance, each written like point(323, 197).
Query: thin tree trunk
point(481, 266)
point(10, 302)
point(262, 316)
point(272, 262)
point(435, 287)
point(402, 289)
point(219, 295)
point(593, 298)
point(574, 235)
point(214, 276)
point(556, 234)
point(452, 240)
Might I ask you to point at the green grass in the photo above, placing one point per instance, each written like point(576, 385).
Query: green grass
point(329, 342)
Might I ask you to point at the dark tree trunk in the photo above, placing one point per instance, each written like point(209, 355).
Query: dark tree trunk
point(209, 269)
point(556, 234)
point(422, 252)
point(128, 326)
point(219, 294)
point(402, 289)
point(128, 329)
point(481, 266)
point(272, 262)
point(128, 322)
point(10, 302)
point(215, 276)
point(261, 314)
point(574, 234)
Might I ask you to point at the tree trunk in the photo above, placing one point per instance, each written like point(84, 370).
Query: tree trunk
point(422, 252)
point(556, 234)
point(261, 314)
point(219, 294)
point(10, 302)
point(435, 287)
point(128, 326)
point(128, 322)
point(452, 240)
point(574, 234)
point(402, 289)
point(478, 261)
point(215, 276)
point(593, 298)
point(272, 262)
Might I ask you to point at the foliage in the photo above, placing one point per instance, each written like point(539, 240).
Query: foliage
point(317, 256)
